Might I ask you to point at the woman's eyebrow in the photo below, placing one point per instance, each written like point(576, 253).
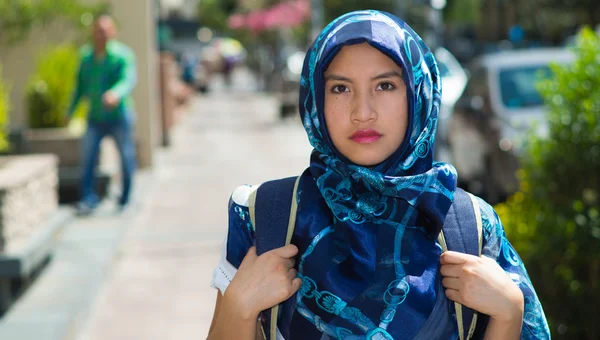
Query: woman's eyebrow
point(337, 77)
point(389, 74)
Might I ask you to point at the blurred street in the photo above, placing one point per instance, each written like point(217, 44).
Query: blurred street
point(158, 287)
point(212, 91)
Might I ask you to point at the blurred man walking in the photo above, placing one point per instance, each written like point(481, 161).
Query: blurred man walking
point(107, 76)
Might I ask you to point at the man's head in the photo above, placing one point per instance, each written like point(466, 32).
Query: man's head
point(104, 30)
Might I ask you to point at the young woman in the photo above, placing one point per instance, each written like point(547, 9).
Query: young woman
point(364, 262)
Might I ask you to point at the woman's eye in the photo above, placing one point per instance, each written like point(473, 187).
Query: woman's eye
point(339, 89)
point(386, 87)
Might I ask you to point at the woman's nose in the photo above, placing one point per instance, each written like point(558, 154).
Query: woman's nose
point(363, 110)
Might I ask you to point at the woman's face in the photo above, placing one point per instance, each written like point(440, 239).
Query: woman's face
point(366, 109)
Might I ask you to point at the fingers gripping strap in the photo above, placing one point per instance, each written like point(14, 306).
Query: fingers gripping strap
point(272, 209)
point(457, 306)
point(462, 232)
point(288, 239)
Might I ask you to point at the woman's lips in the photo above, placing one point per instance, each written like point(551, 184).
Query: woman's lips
point(365, 136)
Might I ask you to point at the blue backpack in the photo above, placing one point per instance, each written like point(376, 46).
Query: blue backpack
point(273, 213)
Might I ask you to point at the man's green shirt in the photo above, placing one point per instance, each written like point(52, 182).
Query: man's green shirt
point(115, 71)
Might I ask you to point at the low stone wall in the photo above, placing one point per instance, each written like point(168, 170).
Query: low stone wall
point(28, 197)
point(66, 146)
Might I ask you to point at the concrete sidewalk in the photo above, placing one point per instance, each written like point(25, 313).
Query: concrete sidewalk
point(159, 287)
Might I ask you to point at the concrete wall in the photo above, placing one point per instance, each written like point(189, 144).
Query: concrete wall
point(19, 65)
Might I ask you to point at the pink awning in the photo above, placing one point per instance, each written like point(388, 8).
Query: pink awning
point(286, 14)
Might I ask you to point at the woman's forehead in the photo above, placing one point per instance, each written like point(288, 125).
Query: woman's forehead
point(361, 57)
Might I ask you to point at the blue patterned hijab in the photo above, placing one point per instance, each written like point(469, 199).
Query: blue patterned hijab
point(408, 184)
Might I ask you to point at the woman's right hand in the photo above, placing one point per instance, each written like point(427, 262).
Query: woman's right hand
point(264, 281)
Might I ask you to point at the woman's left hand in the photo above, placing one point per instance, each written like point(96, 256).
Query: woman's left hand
point(481, 284)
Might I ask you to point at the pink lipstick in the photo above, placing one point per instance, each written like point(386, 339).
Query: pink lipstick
point(366, 136)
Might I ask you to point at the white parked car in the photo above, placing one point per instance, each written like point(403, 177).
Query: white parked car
point(491, 120)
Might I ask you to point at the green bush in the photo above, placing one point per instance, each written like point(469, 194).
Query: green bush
point(554, 220)
point(19, 18)
point(50, 90)
point(4, 112)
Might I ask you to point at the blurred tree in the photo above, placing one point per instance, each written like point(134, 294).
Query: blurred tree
point(463, 11)
point(554, 220)
point(552, 22)
point(214, 13)
point(555, 19)
point(17, 18)
point(592, 7)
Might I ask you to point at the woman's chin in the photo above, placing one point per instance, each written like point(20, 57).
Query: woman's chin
point(366, 160)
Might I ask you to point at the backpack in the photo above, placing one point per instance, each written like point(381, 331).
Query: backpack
point(273, 213)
